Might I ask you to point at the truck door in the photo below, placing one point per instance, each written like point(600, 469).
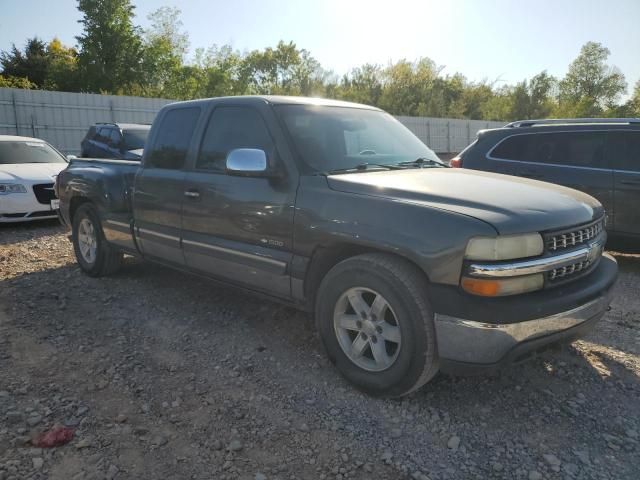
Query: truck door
point(624, 150)
point(238, 228)
point(159, 186)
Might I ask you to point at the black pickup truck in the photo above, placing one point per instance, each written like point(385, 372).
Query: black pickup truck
point(410, 267)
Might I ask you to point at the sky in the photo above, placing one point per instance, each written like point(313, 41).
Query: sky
point(504, 41)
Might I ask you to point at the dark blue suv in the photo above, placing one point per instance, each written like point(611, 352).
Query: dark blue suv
point(598, 156)
point(123, 141)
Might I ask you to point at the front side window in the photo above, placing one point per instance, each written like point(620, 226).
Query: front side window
point(337, 138)
point(580, 149)
point(173, 139)
point(230, 128)
point(28, 152)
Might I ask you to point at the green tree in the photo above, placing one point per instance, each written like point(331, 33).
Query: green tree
point(501, 104)
point(223, 70)
point(164, 48)
point(285, 70)
point(32, 63)
point(591, 85)
point(408, 86)
point(63, 67)
point(634, 102)
point(16, 82)
point(363, 85)
point(110, 46)
point(307, 77)
point(528, 99)
point(474, 98)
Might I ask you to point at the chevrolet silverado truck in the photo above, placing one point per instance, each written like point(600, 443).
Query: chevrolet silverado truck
point(410, 267)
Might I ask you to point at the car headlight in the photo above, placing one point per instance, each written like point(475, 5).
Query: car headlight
point(7, 188)
point(505, 247)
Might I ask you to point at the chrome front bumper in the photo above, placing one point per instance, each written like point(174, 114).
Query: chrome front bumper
point(462, 341)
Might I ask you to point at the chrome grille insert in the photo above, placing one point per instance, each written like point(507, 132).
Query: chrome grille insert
point(572, 238)
point(568, 270)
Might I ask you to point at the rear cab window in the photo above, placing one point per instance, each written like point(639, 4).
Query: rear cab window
point(173, 138)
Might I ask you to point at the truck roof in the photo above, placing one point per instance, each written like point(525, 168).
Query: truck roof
point(280, 100)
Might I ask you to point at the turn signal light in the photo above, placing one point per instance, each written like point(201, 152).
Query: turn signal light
point(505, 286)
point(486, 288)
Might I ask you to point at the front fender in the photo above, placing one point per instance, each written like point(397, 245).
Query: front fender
point(432, 238)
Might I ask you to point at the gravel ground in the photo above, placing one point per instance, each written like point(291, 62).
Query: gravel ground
point(165, 375)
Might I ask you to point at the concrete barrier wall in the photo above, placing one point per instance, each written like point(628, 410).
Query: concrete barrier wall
point(63, 118)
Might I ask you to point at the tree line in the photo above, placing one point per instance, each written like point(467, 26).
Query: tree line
point(113, 55)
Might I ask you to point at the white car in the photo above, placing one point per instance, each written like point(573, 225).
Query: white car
point(28, 167)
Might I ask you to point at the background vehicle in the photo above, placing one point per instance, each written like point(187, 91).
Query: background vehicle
point(600, 156)
point(28, 167)
point(115, 140)
point(337, 208)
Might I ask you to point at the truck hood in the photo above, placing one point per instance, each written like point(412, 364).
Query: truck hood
point(30, 172)
point(510, 204)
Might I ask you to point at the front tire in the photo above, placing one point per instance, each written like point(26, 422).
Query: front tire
point(93, 253)
point(376, 324)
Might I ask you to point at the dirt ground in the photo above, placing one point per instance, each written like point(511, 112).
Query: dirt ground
point(166, 376)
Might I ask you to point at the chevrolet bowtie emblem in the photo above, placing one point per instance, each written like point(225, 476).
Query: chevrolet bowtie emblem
point(595, 250)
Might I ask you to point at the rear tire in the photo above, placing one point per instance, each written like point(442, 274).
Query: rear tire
point(387, 345)
point(93, 253)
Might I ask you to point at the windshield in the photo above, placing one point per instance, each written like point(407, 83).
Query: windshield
point(28, 152)
point(338, 138)
point(135, 139)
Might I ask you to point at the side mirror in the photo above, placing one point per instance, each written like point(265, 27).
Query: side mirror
point(71, 157)
point(247, 161)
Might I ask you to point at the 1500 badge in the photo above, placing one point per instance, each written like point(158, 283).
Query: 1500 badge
point(273, 243)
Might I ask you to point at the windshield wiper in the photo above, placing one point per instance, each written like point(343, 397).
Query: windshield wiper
point(420, 161)
point(362, 167)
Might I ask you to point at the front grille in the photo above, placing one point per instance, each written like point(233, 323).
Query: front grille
point(557, 241)
point(44, 192)
point(569, 270)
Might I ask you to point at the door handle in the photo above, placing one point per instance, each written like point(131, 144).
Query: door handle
point(192, 193)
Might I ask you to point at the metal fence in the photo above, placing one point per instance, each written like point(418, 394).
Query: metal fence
point(446, 135)
point(63, 118)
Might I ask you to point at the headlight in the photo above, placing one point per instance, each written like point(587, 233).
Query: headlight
point(7, 188)
point(501, 287)
point(505, 247)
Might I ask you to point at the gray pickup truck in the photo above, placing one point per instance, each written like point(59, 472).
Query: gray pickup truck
point(410, 267)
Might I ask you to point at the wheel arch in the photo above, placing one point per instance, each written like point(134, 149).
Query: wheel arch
point(325, 257)
point(75, 203)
